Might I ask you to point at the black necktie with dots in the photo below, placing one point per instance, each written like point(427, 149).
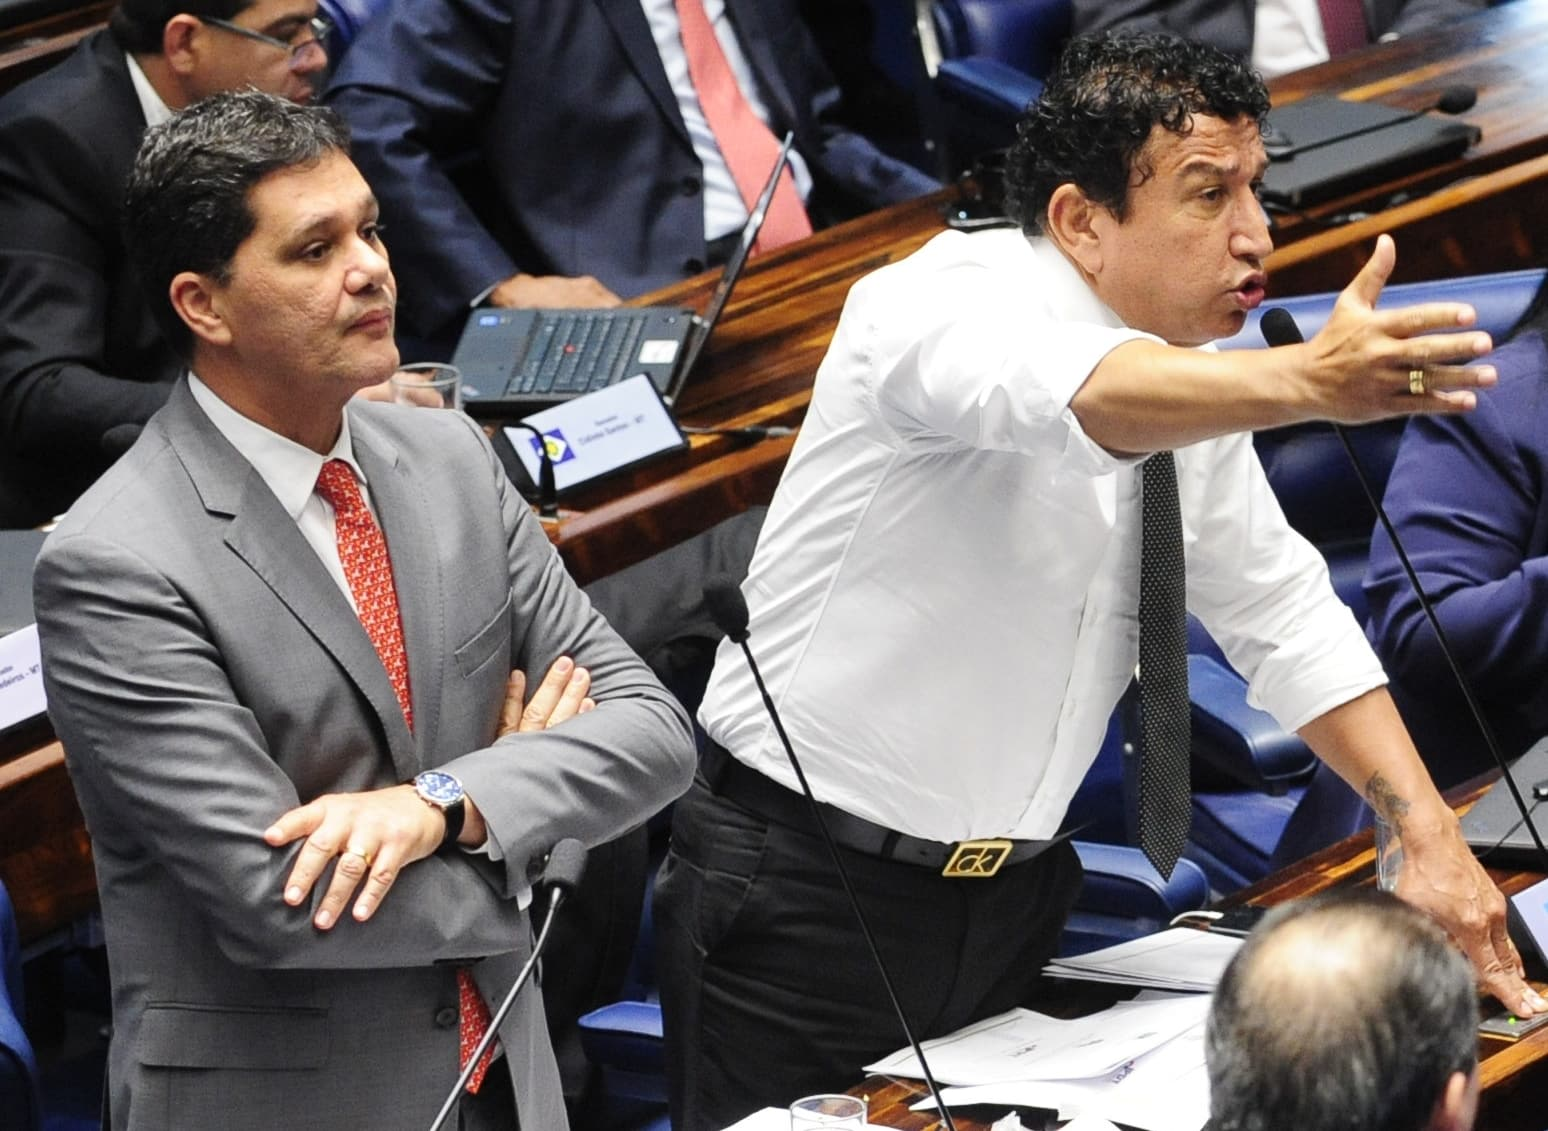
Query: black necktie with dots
point(1164, 794)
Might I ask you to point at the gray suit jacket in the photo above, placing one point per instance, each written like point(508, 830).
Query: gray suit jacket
point(1228, 24)
point(206, 674)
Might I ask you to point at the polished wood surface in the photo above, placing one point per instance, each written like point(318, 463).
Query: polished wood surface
point(30, 49)
point(45, 854)
point(1513, 1075)
point(1490, 216)
point(757, 368)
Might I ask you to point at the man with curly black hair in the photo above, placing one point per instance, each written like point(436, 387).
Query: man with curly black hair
point(945, 596)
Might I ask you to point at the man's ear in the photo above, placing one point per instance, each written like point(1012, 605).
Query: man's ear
point(196, 299)
point(1074, 222)
point(179, 46)
point(1457, 1106)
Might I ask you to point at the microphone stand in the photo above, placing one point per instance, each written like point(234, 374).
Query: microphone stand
point(729, 610)
point(548, 495)
point(1279, 329)
point(567, 861)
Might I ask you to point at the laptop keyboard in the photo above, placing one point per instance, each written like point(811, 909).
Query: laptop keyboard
point(576, 353)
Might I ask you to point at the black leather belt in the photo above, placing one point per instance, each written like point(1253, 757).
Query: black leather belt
point(967, 859)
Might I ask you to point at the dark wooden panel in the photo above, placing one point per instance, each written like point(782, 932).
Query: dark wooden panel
point(45, 854)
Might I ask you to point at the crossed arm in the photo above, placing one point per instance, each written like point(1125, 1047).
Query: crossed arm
point(371, 836)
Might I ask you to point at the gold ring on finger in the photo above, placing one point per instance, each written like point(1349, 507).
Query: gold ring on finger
point(360, 852)
point(1416, 382)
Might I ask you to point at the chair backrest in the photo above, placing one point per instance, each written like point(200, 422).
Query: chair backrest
point(1306, 464)
point(1025, 34)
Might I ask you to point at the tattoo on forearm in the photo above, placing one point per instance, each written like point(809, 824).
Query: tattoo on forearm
point(1385, 800)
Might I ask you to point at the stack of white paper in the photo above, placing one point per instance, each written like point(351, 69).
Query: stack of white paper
point(1166, 1089)
point(1023, 1045)
point(1177, 959)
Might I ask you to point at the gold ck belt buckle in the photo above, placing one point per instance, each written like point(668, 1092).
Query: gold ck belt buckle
point(977, 859)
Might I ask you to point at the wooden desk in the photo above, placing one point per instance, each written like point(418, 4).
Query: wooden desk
point(1514, 1076)
point(757, 369)
point(1492, 218)
point(759, 364)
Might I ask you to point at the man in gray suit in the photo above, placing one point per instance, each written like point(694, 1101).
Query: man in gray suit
point(296, 937)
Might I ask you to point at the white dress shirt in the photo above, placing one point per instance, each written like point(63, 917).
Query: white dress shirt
point(1286, 36)
point(724, 211)
point(151, 105)
point(944, 596)
point(290, 470)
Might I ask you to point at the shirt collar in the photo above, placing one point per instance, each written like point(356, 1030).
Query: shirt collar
point(151, 105)
point(289, 469)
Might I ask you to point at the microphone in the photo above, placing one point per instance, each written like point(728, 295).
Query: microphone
point(1457, 99)
point(119, 439)
point(548, 495)
point(562, 874)
point(1279, 329)
point(728, 609)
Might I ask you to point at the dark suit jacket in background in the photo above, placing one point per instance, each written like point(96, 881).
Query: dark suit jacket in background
point(1228, 24)
point(588, 164)
point(206, 674)
point(1469, 498)
point(79, 351)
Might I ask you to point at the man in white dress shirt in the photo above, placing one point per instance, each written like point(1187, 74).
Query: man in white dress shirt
point(943, 597)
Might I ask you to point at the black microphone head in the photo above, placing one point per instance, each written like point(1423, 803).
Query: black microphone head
point(1457, 99)
point(566, 865)
point(1278, 328)
point(727, 608)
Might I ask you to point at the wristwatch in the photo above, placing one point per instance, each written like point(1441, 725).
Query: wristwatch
point(442, 791)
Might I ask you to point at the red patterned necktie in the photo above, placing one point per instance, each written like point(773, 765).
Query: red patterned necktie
point(748, 145)
point(1343, 25)
point(363, 554)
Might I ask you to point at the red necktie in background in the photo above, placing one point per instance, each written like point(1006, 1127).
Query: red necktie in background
point(748, 145)
point(1343, 25)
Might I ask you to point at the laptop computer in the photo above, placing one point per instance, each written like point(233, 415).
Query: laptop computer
point(515, 362)
point(1493, 827)
point(1321, 148)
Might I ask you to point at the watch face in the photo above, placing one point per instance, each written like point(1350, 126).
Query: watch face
point(438, 788)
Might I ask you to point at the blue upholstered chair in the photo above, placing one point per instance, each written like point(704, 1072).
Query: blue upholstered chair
point(993, 56)
point(20, 1106)
point(1261, 800)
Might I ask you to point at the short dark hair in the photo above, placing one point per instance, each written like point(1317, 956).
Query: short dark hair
point(138, 24)
point(186, 204)
point(1348, 1012)
point(1105, 96)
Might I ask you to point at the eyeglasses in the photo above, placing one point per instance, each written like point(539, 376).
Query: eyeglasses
point(320, 26)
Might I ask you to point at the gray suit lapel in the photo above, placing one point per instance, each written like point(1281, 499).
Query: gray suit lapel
point(407, 524)
point(627, 20)
point(269, 542)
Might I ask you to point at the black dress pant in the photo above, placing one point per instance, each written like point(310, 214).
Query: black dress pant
point(768, 992)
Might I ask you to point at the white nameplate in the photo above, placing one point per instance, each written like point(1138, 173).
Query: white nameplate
point(21, 678)
point(599, 433)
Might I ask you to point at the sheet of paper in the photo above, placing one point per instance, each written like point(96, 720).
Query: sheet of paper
point(21, 677)
point(1167, 1089)
point(1024, 1045)
point(1179, 958)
